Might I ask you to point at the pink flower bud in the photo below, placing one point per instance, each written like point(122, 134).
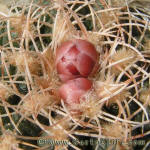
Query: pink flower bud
point(72, 90)
point(75, 58)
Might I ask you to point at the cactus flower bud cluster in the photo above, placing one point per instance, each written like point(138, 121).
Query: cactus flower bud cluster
point(75, 61)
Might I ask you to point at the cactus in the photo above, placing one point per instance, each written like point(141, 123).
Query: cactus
point(113, 114)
